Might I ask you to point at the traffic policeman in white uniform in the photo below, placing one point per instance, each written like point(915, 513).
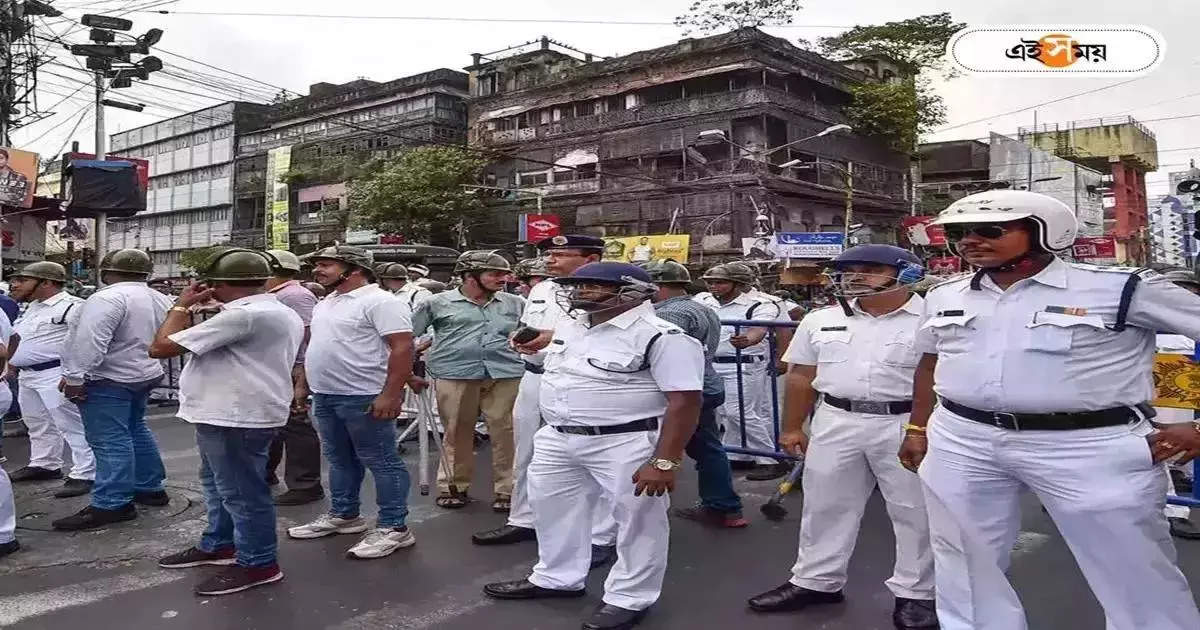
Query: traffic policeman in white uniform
point(1178, 516)
point(8, 508)
point(543, 311)
point(854, 363)
point(614, 378)
point(37, 349)
point(728, 285)
point(1042, 369)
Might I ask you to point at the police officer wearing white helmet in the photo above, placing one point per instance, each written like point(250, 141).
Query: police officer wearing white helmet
point(854, 363)
point(621, 397)
point(1041, 370)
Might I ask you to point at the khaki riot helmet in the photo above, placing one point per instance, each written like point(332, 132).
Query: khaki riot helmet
point(353, 256)
point(743, 272)
point(43, 270)
point(282, 259)
point(730, 272)
point(391, 271)
point(531, 268)
point(667, 272)
point(480, 260)
point(130, 261)
point(235, 265)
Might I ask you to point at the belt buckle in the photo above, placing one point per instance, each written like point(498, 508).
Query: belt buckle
point(997, 416)
point(868, 406)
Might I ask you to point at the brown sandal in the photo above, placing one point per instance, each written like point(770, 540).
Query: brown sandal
point(451, 500)
point(502, 503)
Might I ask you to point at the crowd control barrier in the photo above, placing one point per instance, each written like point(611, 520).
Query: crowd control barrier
point(1194, 499)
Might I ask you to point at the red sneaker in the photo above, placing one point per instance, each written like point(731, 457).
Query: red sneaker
point(236, 579)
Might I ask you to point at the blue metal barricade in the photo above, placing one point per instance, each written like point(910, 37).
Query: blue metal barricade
point(1194, 500)
point(772, 327)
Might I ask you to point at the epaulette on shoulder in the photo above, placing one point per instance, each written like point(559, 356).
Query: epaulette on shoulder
point(666, 326)
point(1145, 273)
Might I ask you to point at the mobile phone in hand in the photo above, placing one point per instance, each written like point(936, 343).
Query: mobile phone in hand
point(525, 335)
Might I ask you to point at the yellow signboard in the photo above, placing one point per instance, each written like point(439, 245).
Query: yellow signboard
point(640, 249)
point(1176, 381)
point(277, 207)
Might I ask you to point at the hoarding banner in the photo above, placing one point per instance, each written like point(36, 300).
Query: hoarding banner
point(18, 176)
point(538, 227)
point(808, 244)
point(1176, 381)
point(277, 207)
point(638, 249)
point(922, 232)
point(1095, 248)
point(142, 166)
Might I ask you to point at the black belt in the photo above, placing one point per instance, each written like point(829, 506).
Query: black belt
point(536, 369)
point(645, 424)
point(1066, 421)
point(889, 408)
point(38, 367)
point(745, 358)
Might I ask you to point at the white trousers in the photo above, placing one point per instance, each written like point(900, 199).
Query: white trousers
point(1104, 494)
point(527, 419)
point(53, 420)
point(567, 478)
point(8, 506)
point(848, 454)
point(760, 431)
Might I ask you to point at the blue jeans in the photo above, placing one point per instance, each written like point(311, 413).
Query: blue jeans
point(241, 512)
point(353, 441)
point(127, 459)
point(712, 464)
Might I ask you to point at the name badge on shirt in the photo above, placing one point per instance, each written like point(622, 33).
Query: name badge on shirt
point(538, 301)
point(954, 313)
point(832, 328)
point(1067, 310)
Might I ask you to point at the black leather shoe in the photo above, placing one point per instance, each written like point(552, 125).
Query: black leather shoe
point(767, 472)
point(300, 497)
point(272, 479)
point(34, 473)
point(524, 589)
point(158, 498)
point(791, 597)
point(505, 535)
point(1183, 528)
point(609, 617)
point(75, 488)
point(9, 547)
point(602, 555)
point(911, 614)
point(92, 517)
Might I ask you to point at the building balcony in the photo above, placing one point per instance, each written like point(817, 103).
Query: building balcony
point(737, 99)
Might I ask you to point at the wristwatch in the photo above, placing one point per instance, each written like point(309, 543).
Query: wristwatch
point(663, 464)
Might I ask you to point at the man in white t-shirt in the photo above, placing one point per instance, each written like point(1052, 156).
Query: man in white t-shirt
point(359, 359)
point(236, 388)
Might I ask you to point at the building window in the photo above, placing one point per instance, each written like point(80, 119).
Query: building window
point(533, 178)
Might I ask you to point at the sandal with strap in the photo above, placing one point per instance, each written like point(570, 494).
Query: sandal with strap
point(451, 500)
point(502, 503)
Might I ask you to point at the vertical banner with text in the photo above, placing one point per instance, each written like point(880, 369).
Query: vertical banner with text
point(277, 207)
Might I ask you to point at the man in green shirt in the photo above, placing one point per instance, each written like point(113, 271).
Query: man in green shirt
point(474, 370)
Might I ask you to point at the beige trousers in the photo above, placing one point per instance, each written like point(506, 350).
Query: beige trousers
point(459, 403)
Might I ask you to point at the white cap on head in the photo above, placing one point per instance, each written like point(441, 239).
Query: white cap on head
point(419, 269)
point(1056, 221)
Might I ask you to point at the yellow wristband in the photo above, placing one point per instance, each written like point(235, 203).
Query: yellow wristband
point(180, 309)
point(913, 427)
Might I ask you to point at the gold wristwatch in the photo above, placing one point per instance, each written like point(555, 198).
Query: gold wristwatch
point(663, 464)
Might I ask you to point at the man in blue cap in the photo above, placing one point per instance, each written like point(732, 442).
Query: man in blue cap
point(854, 364)
point(615, 374)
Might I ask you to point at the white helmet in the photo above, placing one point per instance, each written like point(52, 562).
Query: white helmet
point(1056, 222)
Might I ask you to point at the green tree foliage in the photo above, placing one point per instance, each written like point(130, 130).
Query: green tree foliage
point(917, 44)
point(896, 112)
point(197, 259)
point(713, 16)
point(418, 194)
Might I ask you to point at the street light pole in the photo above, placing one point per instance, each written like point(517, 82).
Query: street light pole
point(848, 182)
point(101, 228)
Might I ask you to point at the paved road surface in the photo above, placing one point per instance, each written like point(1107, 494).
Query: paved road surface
point(108, 579)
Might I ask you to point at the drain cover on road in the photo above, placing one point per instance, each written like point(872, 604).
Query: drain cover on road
point(37, 508)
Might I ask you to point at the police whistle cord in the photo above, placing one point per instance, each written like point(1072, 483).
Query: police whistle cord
point(773, 509)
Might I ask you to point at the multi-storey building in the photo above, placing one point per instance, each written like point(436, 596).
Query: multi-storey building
point(328, 135)
point(190, 193)
point(1169, 233)
point(688, 138)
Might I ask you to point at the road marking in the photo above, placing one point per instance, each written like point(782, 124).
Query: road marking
point(17, 608)
point(1028, 543)
point(437, 608)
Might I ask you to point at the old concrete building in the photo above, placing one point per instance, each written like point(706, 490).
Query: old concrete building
point(687, 138)
point(189, 198)
point(327, 136)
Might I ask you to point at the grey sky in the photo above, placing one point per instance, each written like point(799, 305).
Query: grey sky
point(294, 52)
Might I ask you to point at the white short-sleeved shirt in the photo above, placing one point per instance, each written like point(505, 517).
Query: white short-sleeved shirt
point(543, 312)
point(240, 371)
point(860, 357)
point(6, 332)
point(1045, 344)
point(347, 354)
point(603, 375)
point(744, 306)
point(43, 328)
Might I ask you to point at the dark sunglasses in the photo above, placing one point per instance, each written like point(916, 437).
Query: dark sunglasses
point(990, 231)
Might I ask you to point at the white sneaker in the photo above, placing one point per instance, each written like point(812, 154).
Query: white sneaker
point(382, 542)
point(327, 525)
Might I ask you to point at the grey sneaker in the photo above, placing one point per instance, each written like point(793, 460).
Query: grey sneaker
point(327, 525)
point(382, 542)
